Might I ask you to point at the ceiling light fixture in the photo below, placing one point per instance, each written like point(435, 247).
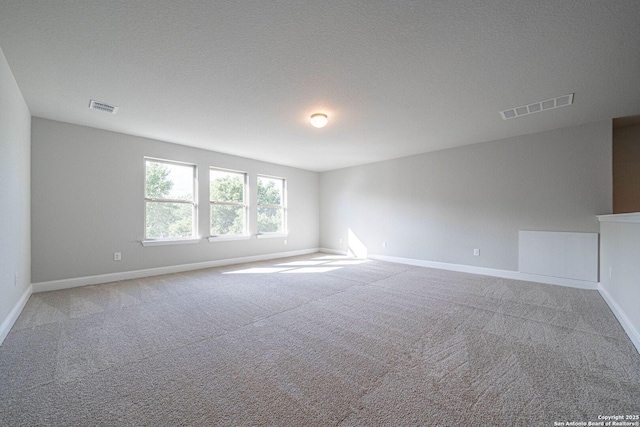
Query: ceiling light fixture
point(319, 120)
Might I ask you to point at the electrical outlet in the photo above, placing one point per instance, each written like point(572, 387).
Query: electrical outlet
point(340, 241)
point(285, 242)
point(609, 272)
point(117, 256)
point(384, 244)
point(476, 252)
point(15, 280)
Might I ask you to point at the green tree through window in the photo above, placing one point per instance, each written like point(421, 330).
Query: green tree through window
point(169, 200)
point(228, 207)
point(271, 206)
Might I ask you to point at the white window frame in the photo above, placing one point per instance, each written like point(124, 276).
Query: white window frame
point(244, 205)
point(282, 205)
point(153, 241)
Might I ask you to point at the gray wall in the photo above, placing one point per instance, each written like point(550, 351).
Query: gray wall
point(439, 206)
point(15, 192)
point(87, 202)
point(619, 253)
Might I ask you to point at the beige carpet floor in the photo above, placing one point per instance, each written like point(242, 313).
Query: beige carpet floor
point(317, 340)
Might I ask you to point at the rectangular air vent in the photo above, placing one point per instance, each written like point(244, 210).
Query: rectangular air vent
point(536, 107)
point(101, 106)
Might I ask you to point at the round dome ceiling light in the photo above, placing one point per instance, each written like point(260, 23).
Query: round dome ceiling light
point(319, 120)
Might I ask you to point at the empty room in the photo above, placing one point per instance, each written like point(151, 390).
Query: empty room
point(319, 213)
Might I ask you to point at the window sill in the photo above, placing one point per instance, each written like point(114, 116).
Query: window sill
point(161, 242)
point(227, 238)
point(271, 235)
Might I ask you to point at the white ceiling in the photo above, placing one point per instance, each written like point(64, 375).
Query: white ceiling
point(396, 77)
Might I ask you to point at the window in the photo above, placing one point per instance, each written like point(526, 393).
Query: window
point(170, 201)
point(272, 207)
point(227, 197)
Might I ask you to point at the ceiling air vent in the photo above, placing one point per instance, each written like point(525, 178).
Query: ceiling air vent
point(101, 106)
point(536, 107)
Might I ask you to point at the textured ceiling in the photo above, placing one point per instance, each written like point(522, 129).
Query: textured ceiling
point(395, 77)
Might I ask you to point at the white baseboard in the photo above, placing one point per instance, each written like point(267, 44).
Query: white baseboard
point(13, 315)
point(55, 285)
point(628, 327)
point(507, 274)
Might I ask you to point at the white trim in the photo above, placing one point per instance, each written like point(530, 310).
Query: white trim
point(160, 242)
point(628, 327)
point(628, 217)
point(270, 235)
point(13, 315)
point(227, 238)
point(507, 274)
point(136, 274)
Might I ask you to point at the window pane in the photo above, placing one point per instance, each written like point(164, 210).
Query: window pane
point(269, 220)
point(226, 186)
point(169, 220)
point(169, 181)
point(270, 191)
point(227, 220)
